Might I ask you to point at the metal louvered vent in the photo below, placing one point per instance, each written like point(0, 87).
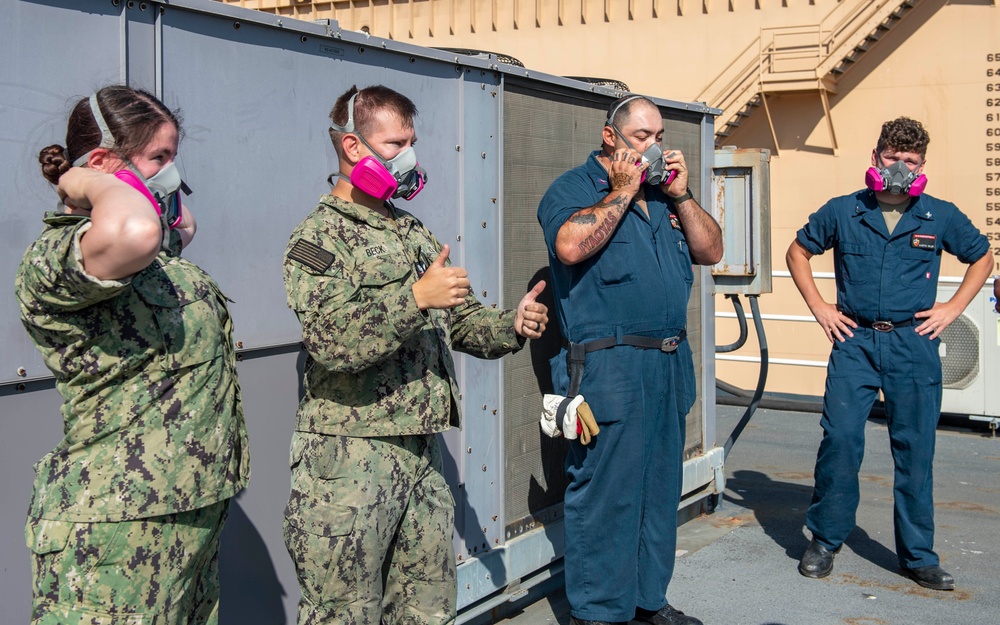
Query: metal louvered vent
point(960, 362)
point(610, 83)
point(506, 59)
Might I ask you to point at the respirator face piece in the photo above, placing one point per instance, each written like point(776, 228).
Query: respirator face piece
point(655, 173)
point(896, 179)
point(162, 189)
point(398, 177)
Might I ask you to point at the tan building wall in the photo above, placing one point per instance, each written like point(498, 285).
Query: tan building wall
point(940, 64)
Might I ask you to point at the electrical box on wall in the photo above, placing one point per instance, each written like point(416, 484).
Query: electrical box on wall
point(741, 203)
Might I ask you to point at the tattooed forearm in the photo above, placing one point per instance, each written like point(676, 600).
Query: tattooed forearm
point(584, 218)
point(603, 231)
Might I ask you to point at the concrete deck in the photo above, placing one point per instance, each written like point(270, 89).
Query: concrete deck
point(738, 565)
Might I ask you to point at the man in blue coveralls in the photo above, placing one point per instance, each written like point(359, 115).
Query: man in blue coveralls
point(620, 253)
point(887, 241)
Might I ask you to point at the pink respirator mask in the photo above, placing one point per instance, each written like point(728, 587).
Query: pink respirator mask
point(398, 177)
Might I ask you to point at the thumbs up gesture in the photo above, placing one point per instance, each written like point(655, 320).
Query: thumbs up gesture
point(442, 286)
point(531, 315)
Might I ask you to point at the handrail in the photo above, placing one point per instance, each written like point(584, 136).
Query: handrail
point(781, 47)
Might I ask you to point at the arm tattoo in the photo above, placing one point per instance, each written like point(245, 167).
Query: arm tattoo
point(579, 218)
point(603, 231)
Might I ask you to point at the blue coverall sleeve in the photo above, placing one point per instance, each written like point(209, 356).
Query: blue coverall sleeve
point(567, 195)
point(963, 239)
point(819, 233)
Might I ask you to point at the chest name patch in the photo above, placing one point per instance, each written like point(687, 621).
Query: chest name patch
point(311, 255)
point(675, 222)
point(375, 250)
point(924, 241)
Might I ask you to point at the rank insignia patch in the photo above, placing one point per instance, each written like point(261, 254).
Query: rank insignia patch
point(311, 255)
point(924, 241)
point(676, 223)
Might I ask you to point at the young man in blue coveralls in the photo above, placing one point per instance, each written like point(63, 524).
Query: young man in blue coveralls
point(620, 252)
point(887, 241)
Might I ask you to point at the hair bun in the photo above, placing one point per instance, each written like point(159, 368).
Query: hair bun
point(54, 161)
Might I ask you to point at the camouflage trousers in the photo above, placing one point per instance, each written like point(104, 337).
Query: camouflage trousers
point(157, 571)
point(369, 526)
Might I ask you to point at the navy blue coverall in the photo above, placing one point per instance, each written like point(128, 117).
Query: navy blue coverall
point(624, 488)
point(883, 277)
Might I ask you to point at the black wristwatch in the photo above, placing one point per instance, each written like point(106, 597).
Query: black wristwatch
point(681, 198)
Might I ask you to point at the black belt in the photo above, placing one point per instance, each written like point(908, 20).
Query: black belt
point(668, 344)
point(884, 326)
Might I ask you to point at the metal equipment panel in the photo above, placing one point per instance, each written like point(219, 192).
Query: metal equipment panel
point(40, 73)
point(546, 132)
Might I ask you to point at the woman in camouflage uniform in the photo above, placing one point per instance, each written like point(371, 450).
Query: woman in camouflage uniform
point(127, 510)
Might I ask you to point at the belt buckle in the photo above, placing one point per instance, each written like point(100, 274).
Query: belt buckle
point(882, 326)
point(670, 344)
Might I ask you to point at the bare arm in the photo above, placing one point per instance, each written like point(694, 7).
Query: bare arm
point(587, 231)
point(125, 234)
point(187, 227)
point(834, 323)
point(942, 314)
point(703, 234)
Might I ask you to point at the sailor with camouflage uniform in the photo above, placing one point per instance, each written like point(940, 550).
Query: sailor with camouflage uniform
point(127, 510)
point(369, 519)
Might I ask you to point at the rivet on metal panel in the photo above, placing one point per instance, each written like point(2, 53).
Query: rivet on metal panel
point(21, 372)
point(482, 87)
point(458, 148)
point(482, 72)
point(458, 238)
point(484, 224)
point(484, 531)
point(413, 60)
point(495, 517)
point(130, 5)
point(458, 68)
point(493, 93)
point(115, 3)
point(20, 388)
point(484, 406)
point(361, 49)
point(383, 45)
point(483, 155)
point(460, 559)
point(239, 344)
point(484, 468)
point(468, 71)
point(279, 24)
point(303, 39)
point(493, 305)
point(239, 357)
point(493, 199)
point(236, 25)
point(142, 7)
point(496, 541)
point(484, 293)
point(459, 397)
point(494, 412)
point(469, 450)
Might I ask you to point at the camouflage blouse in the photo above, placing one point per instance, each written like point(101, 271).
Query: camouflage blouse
point(378, 365)
point(152, 418)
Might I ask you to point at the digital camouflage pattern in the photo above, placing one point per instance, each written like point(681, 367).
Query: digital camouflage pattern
point(157, 571)
point(377, 365)
point(357, 503)
point(152, 418)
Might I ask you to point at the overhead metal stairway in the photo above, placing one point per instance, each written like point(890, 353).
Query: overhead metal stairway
point(800, 59)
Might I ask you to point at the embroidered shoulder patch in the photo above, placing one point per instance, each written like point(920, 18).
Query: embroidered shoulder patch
point(675, 223)
point(311, 255)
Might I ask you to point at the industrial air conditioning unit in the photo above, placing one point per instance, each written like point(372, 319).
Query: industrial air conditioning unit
point(970, 356)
